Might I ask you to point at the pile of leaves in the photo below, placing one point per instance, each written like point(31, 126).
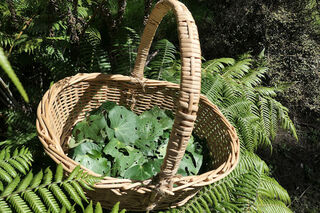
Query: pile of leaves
point(114, 141)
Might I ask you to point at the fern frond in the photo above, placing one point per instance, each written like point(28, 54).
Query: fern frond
point(163, 60)
point(250, 161)
point(216, 65)
point(12, 164)
point(270, 188)
point(266, 91)
point(210, 87)
point(39, 193)
point(253, 77)
point(125, 51)
point(237, 70)
point(18, 204)
point(6, 40)
point(271, 206)
point(93, 57)
point(286, 122)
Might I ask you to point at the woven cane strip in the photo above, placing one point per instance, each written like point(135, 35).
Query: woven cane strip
point(190, 78)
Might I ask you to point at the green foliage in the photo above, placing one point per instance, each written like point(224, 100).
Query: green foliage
point(22, 191)
point(48, 40)
point(4, 63)
point(247, 189)
point(20, 130)
point(235, 88)
point(116, 142)
point(11, 165)
point(161, 64)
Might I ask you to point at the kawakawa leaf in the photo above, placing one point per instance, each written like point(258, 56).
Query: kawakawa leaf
point(90, 128)
point(149, 130)
point(124, 156)
point(192, 159)
point(156, 113)
point(144, 171)
point(116, 142)
point(99, 165)
point(86, 148)
point(89, 155)
point(124, 124)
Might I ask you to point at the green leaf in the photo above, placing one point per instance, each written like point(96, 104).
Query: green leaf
point(12, 185)
point(73, 194)
point(60, 195)
point(74, 173)
point(4, 63)
point(192, 159)
point(156, 113)
point(144, 171)
point(86, 148)
point(115, 208)
point(59, 173)
point(88, 130)
point(34, 201)
point(149, 131)
point(89, 208)
point(124, 123)
point(98, 165)
point(98, 208)
point(124, 156)
point(25, 182)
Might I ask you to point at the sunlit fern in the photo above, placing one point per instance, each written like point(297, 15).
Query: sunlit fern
point(235, 87)
point(40, 192)
point(246, 189)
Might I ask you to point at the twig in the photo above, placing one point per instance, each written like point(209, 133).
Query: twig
point(296, 199)
point(7, 94)
point(151, 57)
point(20, 34)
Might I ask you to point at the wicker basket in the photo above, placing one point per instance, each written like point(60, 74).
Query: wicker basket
point(67, 101)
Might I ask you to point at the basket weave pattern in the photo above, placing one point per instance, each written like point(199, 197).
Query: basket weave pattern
point(67, 101)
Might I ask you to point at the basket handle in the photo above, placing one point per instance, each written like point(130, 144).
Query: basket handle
point(190, 79)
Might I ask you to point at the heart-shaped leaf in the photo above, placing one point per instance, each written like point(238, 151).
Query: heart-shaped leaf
point(86, 148)
point(140, 172)
point(98, 165)
point(124, 156)
point(156, 113)
point(124, 124)
point(148, 131)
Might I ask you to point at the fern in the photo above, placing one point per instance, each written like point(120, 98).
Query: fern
point(125, 51)
point(11, 165)
point(20, 129)
point(237, 93)
point(245, 189)
point(162, 62)
point(234, 86)
point(216, 65)
point(92, 56)
point(43, 192)
point(269, 205)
